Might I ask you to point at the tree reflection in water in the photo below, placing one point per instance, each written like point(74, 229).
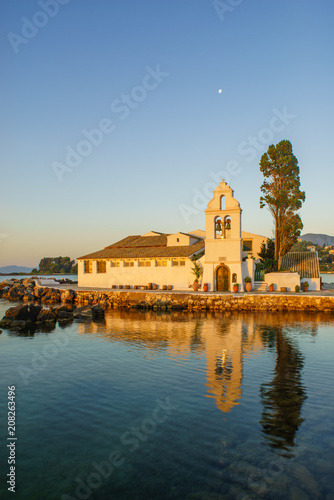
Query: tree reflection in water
point(284, 396)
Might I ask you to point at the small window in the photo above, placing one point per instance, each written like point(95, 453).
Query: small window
point(175, 262)
point(88, 266)
point(178, 239)
point(144, 263)
point(114, 263)
point(234, 278)
point(129, 263)
point(162, 263)
point(182, 262)
point(101, 266)
point(247, 246)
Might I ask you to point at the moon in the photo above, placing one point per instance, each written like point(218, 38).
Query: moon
point(220, 91)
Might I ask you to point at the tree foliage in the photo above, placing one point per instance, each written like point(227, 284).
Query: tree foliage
point(267, 256)
point(282, 194)
point(63, 265)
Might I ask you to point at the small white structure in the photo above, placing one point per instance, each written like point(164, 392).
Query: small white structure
point(223, 264)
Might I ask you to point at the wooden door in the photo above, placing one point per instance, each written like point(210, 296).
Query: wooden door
point(222, 279)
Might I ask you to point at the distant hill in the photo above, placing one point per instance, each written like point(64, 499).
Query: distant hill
point(318, 239)
point(15, 269)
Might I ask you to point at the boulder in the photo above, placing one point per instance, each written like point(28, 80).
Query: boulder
point(34, 311)
point(19, 312)
point(46, 316)
point(65, 315)
point(97, 312)
point(6, 322)
point(68, 296)
point(21, 324)
point(38, 292)
point(84, 312)
point(14, 294)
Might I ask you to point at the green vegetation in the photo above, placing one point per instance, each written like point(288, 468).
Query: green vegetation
point(282, 195)
point(267, 257)
point(197, 270)
point(326, 259)
point(56, 265)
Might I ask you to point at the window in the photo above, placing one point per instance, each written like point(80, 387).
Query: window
point(178, 262)
point(247, 245)
point(178, 239)
point(114, 263)
point(222, 202)
point(162, 263)
point(88, 266)
point(234, 278)
point(144, 263)
point(129, 263)
point(101, 266)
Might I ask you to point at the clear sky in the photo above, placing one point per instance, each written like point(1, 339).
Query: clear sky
point(147, 75)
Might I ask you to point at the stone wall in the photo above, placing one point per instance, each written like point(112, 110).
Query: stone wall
point(27, 290)
point(213, 302)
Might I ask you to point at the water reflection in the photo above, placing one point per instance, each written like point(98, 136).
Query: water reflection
point(224, 341)
point(283, 397)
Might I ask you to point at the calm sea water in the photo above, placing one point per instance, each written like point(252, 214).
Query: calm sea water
point(73, 277)
point(327, 278)
point(179, 406)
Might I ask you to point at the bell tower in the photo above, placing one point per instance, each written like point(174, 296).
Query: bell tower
point(223, 243)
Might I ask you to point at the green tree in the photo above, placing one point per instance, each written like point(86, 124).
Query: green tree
point(267, 256)
point(282, 194)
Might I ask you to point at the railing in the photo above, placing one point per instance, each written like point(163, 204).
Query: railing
point(259, 275)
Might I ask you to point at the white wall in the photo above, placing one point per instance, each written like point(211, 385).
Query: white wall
point(180, 277)
point(290, 280)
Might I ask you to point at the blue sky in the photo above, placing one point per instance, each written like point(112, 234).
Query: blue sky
point(147, 74)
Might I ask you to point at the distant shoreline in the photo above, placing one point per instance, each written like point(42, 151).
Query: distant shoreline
point(38, 274)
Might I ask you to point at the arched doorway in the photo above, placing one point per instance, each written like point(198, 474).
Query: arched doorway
point(222, 279)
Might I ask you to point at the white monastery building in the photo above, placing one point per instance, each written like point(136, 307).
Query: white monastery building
point(226, 254)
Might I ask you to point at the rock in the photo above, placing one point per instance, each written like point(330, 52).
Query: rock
point(14, 295)
point(65, 311)
point(38, 292)
point(19, 312)
point(68, 296)
point(84, 312)
point(28, 297)
point(65, 315)
point(6, 322)
point(46, 316)
point(97, 312)
point(34, 311)
point(21, 324)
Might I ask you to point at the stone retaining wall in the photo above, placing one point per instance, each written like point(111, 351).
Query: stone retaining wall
point(27, 290)
point(187, 301)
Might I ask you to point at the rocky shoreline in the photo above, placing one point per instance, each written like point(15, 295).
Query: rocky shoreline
point(82, 301)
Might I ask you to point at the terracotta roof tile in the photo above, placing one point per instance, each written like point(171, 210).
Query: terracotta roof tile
point(135, 247)
point(304, 263)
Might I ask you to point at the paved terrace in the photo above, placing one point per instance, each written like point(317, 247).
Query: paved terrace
point(327, 291)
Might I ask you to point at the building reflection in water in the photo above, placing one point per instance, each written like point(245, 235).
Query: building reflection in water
point(226, 340)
